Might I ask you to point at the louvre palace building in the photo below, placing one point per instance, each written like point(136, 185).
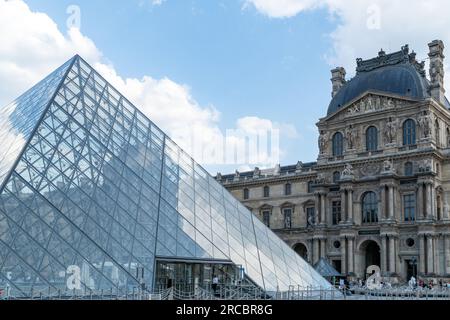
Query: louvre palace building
point(378, 193)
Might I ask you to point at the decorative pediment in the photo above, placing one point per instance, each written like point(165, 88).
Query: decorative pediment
point(287, 205)
point(266, 207)
point(370, 102)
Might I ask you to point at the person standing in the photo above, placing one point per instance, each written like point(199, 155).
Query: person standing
point(215, 283)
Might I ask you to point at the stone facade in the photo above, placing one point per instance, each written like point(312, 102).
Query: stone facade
point(379, 193)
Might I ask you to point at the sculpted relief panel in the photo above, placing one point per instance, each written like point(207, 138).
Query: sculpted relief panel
point(372, 103)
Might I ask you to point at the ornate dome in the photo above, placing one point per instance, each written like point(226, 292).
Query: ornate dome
point(396, 73)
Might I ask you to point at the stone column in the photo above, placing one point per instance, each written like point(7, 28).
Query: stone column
point(383, 214)
point(343, 256)
point(383, 254)
point(350, 254)
point(447, 254)
point(343, 207)
point(310, 251)
point(433, 203)
point(322, 248)
point(316, 251)
point(391, 254)
point(322, 208)
point(350, 206)
point(436, 255)
point(391, 202)
point(422, 258)
point(420, 202)
point(430, 262)
point(428, 201)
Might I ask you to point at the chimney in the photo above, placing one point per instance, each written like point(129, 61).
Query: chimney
point(337, 79)
point(436, 55)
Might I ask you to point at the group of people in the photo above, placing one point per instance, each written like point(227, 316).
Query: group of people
point(430, 284)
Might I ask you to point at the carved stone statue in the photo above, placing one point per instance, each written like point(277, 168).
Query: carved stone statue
point(352, 136)
point(388, 166)
point(237, 175)
point(256, 173)
point(347, 173)
point(320, 178)
point(323, 142)
point(369, 104)
point(390, 131)
point(219, 176)
point(425, 123)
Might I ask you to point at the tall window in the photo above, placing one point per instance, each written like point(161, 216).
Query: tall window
point(372, 139)
point(336, 176)
point(287, 189)
point(287, 218)
point(246, 194)
point(310, 216)
point(409, 207)
point(409, 132)
point(336, 211)
point(437, 133)
point(409, 169)
point(338, 144)
point(266, 192)
point(310, 187)
point(266, 218)
point(370, 208)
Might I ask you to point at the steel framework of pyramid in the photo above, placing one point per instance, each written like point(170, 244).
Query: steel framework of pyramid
point(87, 180)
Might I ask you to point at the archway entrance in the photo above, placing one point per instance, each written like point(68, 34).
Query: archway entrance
point(301, 250)
point(370, 255)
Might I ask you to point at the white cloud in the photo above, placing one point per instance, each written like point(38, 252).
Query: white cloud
point(366, 26)
point(282, 8)
point(37, 46)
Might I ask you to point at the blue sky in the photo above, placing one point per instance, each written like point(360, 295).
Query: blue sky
point(213, 65)
point(238, 60)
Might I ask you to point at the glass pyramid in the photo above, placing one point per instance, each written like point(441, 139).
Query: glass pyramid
point(90, 185)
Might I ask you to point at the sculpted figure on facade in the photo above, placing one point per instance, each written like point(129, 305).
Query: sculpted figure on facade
point(347, 173)
point(256, 172)
point(352, 137)
point(425, 125)
point(390, 130)
point(388, 166)
point(323, 142)
point(219, 176)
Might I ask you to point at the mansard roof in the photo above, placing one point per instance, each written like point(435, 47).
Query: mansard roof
point(396, 73)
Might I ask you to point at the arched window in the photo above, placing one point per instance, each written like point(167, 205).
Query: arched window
point(409, 132)
point(336, 176)
point(372, 139)
point(266, 192)
point(409, 169)
point(246, 194)
point(338, 144)
point(287, 189)
point(369, 208)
